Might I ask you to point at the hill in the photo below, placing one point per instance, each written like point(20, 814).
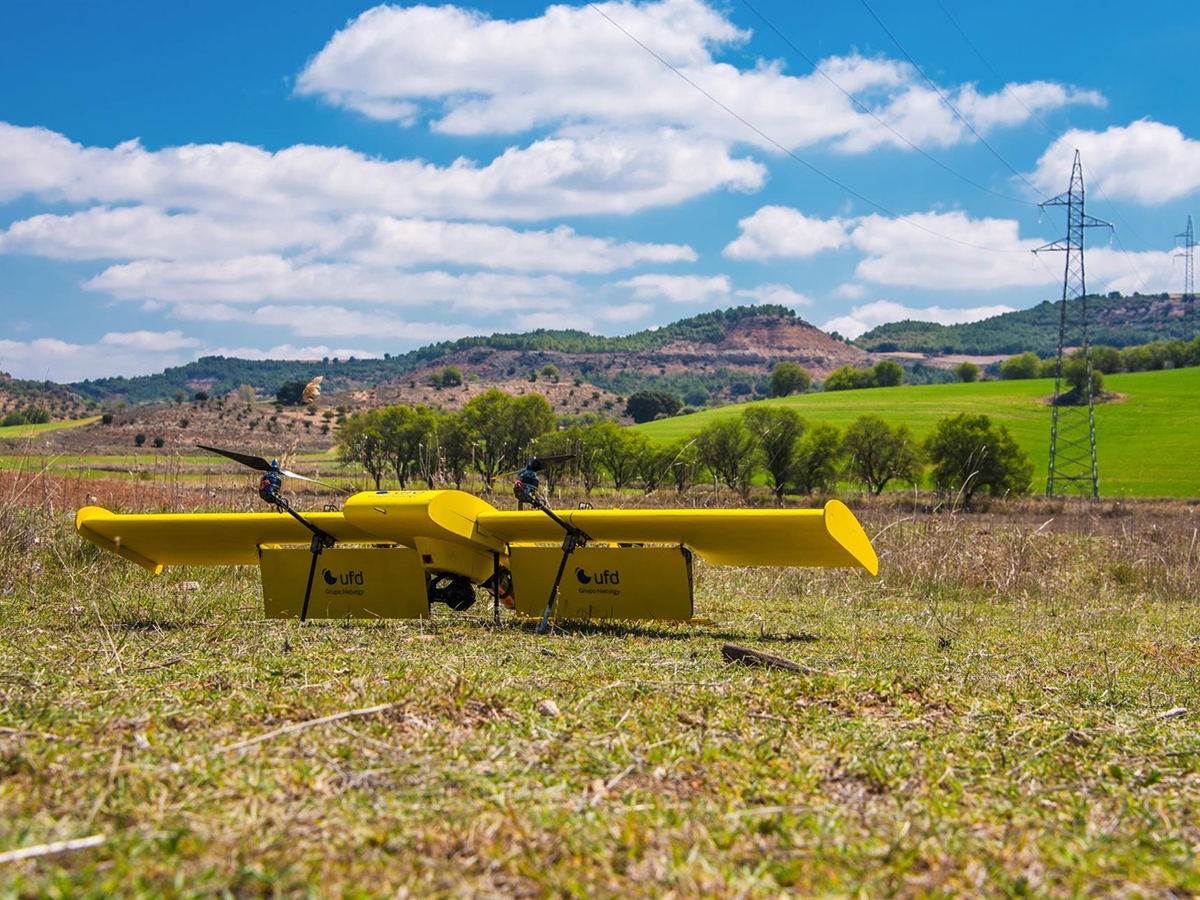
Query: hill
point(1143, 441)
point(1114, 320)
point(726, 353)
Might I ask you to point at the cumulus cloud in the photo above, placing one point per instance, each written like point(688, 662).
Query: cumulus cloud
point(250, 279)
point(862, 319)
point(1146, 162)
point(470, 74)
point(560, 176)
point(115, 353)
point(773, 293)
point(778, 231)
point(144, 232)
point(679, 288)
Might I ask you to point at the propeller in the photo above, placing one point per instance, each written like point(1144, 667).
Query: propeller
point(261, 465)
point(539, 464)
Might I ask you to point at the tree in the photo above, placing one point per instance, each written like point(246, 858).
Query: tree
point(877, 453)
point(452, 376)
point(1107, 360)
point(1075, 373)
point(619, 450)
point(727, 449)
point(502, 427)
point(408, 441)
point(453, 448)
point(848, 378)
point(888, 373)
point(815, 467)
point(486, 420)
point(1022, 366)
point(969, 453)
point(654, 465)
point(139, 439)
point(646, 406)
point(787, 378)
point(967, 372)
point(777, 430)
point(684, 459)
point(291, 393)
point(549, 370)
point(360, 441)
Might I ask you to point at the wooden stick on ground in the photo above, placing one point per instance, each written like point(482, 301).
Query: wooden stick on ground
point(748, 657)
point(37, 850)
point(310, 723)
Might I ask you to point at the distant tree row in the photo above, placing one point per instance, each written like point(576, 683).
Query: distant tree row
point(496, 433)
point(1173, 354)
point(885, 373)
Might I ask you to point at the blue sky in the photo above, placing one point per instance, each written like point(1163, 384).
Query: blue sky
point(300, 180)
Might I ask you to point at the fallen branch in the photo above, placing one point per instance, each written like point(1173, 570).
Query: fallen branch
point(310, 723)
point(53, 847)
point(747, 657)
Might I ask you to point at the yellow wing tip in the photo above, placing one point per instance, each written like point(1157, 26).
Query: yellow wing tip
point(845, 528)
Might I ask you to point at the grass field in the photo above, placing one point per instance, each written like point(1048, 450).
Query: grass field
point(22, 431)
point(1146, 443)
point(986, 718)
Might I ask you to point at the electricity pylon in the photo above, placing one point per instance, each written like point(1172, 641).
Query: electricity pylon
point(1189, 289)
point(1073, 419)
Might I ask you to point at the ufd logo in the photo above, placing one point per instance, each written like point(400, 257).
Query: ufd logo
point(350, 577)
point(605, 577)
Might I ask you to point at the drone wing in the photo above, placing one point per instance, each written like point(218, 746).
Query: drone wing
point(728, 537)
point(203, 539)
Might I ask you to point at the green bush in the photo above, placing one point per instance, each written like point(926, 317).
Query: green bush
point(969, 454)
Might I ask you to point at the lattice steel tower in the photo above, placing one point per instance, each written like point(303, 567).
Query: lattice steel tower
point(1073, 420)
point(1189, 290)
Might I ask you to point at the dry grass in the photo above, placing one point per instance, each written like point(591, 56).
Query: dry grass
point(986, 724)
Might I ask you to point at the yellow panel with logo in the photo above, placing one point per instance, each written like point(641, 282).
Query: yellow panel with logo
point(350, 582)
point(604, 582)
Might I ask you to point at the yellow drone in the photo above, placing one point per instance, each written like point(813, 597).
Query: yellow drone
point(392, 554)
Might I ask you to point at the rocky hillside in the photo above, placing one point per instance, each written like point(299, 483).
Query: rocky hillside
point(725, 354)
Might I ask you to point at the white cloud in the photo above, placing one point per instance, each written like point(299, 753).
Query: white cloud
point(1146, 162)
point(679, 288)
point(849, 291)
point(129, 353)
point(143, 232)
point(253, 279)
point(623, 312)
point(569, 175)
point(773, 293)
point(569, 66)
point(149, 340)
point(775, 231)
point(288, 351)
point(862, 319)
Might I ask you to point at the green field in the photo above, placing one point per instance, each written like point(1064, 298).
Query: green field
point(22, 431)
point(1146, 443)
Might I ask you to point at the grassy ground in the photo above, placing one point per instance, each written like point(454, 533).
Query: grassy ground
point(985, 720)
point(21, 431)
point(1142, 441)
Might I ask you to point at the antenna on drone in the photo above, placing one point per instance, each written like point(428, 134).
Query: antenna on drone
point(1189, 289)
point(1073, 419)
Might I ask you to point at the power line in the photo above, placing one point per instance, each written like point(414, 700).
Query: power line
point(866, 109)
point(1050, 131)
point(766, 137)
point(996, 153)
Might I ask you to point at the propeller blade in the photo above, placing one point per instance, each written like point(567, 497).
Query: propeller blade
point(545, 462)
point(254, 462)
point(290, 474)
